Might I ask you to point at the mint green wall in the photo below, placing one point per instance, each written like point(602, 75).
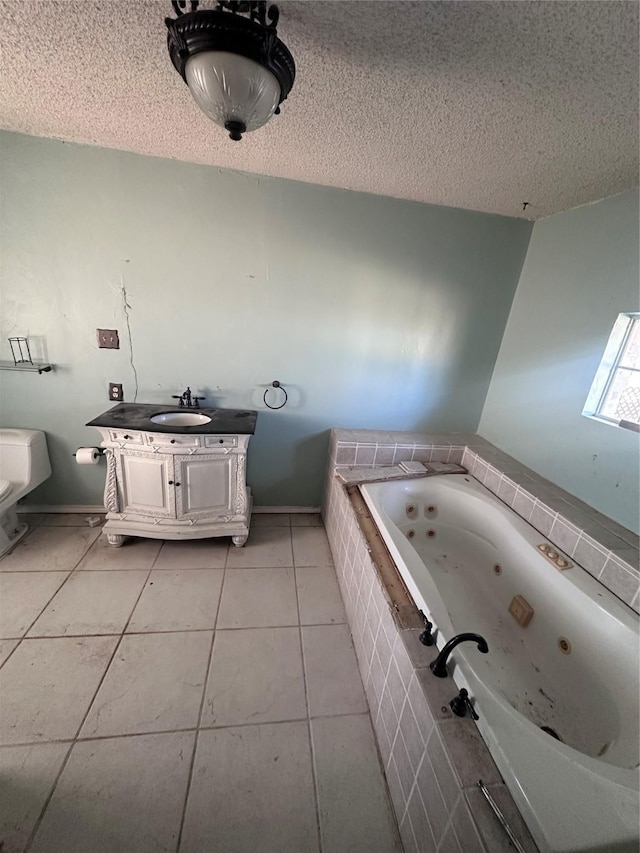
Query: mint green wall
point(373, 312)
point(580, 272)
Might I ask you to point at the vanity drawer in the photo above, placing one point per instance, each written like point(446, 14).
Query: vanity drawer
point(221, 441)
point(173, 440)
point(126, 435)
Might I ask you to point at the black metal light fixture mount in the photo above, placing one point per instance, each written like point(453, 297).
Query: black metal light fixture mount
point(232, 60)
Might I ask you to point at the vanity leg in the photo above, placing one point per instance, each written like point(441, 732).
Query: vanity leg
point(239, 541)
point(115, 539)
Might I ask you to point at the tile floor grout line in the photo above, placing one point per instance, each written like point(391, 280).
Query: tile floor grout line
point(13, 650)
point(81, 739)
point(97, 539)
point(293, 559)
point(226, 557)
point(117, 646)
point(164, 631)
point(48, 799)
point(40, 817)
point(375, 736)
point(69, 573)
point(318, 565)
point(24, 636)
point(314, 780)
point(205, 684)
point(38, 822)
point(62, 583)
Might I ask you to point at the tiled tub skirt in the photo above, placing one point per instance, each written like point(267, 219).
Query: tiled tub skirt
point(432, 759)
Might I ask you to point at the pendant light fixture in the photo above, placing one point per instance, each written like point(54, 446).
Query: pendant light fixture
point(232, 60)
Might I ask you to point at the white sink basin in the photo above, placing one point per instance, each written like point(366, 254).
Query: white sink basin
point(181, 419)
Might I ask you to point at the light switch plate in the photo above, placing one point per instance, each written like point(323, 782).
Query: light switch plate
point(108, 339)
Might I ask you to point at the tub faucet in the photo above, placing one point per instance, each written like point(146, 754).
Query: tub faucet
point(439, 666)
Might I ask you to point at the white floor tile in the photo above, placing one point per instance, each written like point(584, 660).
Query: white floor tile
point(50, 549)
point(268, 547)
point(47, 685)
point(28, 774)
point(155, 683)
point(136, 553)
point(121, 795)
point(255, 677)
point(91, 603)
point(178, 601)
point(23, 595)
point(6, 647)
point(258, 598)
point(252, 791)
point(306, 519)
point(333, 679)
point(70, 519)
point(355, 813)
point(193, 554)
point(270, 519)
point(319, 596)
point(311, 547)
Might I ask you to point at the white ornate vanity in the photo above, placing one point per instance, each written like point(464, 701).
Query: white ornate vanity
point(171, 481)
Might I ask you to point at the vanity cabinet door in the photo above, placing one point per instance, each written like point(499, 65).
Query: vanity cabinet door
point(207, 484)
point(147, 484)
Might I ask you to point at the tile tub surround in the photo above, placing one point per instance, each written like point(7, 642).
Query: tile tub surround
point(181, 700)
point(432, 759)
point(605, 549)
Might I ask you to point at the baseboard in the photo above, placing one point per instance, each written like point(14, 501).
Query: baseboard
point(91, 508)
point(66, 508)
point(288, 509)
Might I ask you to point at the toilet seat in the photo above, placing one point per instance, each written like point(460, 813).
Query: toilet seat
point(5, 488)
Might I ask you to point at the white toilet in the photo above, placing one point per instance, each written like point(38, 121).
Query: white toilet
point(24, 464)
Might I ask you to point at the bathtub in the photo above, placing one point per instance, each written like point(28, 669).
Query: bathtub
point(574, 669)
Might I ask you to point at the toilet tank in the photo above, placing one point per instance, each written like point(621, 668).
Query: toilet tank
point(23, 456)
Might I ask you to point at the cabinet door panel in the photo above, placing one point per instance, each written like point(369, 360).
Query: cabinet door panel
point(144, 479)
point(206, 485)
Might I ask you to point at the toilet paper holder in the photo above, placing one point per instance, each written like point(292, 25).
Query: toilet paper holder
point(99, 451)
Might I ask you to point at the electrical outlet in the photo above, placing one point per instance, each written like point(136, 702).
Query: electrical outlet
point(115, 391)
point(108, 339)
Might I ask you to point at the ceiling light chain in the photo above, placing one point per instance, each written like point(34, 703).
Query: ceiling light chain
point(232, 60)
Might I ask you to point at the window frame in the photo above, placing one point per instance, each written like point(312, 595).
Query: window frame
point(607, 371)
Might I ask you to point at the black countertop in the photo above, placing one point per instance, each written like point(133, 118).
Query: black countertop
point(138, 416)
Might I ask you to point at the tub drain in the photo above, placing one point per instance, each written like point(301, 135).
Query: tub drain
point(548, 730)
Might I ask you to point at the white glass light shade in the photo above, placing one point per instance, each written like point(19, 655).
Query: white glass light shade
point(230, 87)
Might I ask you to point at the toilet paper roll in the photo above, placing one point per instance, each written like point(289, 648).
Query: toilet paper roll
point(87, 455)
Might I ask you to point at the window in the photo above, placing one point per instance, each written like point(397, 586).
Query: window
point(615, 392)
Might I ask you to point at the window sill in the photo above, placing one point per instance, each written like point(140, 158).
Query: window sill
point(628, 425)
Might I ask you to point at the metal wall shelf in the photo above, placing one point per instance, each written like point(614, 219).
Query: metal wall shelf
point(35, 367)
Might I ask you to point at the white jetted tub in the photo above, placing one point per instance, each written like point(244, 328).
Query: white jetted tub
point(574, 669)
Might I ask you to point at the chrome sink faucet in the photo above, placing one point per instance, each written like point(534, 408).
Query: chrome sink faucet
point(186, 400)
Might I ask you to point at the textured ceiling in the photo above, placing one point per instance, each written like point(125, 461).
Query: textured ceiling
point(481, 105)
